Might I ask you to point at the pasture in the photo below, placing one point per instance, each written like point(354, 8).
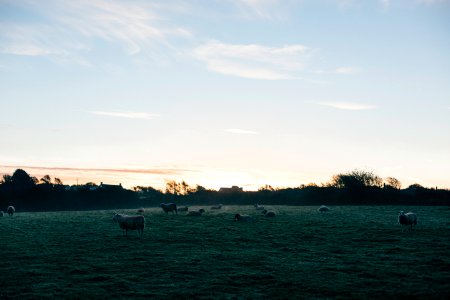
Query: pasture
point(349, 252)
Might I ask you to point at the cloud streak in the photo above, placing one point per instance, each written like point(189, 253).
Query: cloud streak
point(240, 131)
point(265, 9)
point(129, 115)
point(157, 171)
point(253, 60)
point(347, 105)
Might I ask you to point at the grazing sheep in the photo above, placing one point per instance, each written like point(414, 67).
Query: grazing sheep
point(218, 206)
point(172, 207)
point(130, 223)
point(243, 218)
point(269, 214)
point(140, 210)
point(196, 212)
point(408, 219)
point(2, 213)
point(11, 210)
point(323, 208)
point(185, 208)
point(258, 207)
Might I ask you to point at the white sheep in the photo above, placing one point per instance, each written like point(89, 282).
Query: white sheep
point(269, 214)
point(408, 219)
point(243, 218)
point(185, 208)
point(196, 212)
point(11, 210)
point(218, 206)
point(258, 207)
point(169, 207)
point(130, 223)
point(323, 208)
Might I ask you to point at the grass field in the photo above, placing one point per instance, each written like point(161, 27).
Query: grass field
point(350, 252)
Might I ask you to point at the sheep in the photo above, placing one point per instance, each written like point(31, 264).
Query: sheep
point(243, 218)
point(269, 214)
point(11, 210)
point(2, 213)
point(140, 210)
point(408, 219)
point(323, 208)
point(196, 212)
point(130, 223)
point(218, 206)
point(185, 208)
point(258, 207)
point(172, 207)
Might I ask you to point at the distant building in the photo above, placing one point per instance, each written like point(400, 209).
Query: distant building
point(110, 186)
point(233, 189)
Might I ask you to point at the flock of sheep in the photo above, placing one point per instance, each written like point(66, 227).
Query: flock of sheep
point(137, 222)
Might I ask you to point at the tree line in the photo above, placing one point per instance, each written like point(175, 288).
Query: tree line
point(357, 187)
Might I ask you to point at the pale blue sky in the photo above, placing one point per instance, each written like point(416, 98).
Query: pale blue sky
point(219, 93)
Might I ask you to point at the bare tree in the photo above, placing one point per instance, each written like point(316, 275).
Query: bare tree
point(266, 187)
point(46, 179)
point(58, 181)
point(172, 187)
point(393, 183)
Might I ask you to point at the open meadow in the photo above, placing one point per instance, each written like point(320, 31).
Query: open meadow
point(349, 252)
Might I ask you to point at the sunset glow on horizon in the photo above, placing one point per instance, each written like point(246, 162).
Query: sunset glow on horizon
point(222, 93)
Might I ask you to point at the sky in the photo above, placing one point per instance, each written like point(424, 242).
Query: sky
point(221, 93)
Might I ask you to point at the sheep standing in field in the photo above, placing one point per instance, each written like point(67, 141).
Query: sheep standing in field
point(269, 214)
point(130, 223)
point(169, 207)
point(408, 219)
point(184, 208)
point(196, 212)
point(323, 208)
point(11, 210)
point(258, 207)
point(218, 206)
point(243, 218)
point(2, 213)
point(140, 210)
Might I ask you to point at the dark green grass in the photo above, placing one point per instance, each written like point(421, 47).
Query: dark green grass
point(350, 252)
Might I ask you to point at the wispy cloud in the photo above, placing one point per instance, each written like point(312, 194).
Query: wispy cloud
point(134, 26)
point(252, 60)
point(240, 131)
point(431, 2)
point(347, 70)
point(341, 70)
point(347, 105)
point(265, 9)
point(130, 115)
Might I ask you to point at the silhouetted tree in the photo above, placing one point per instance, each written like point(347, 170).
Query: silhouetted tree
point(7, 179)
point(415, 186)
point(21, 181)
point(46, 179)
point(393, 183)
point(58, 181)
point(172, 187)
point(356, 179)
point(267, 188)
